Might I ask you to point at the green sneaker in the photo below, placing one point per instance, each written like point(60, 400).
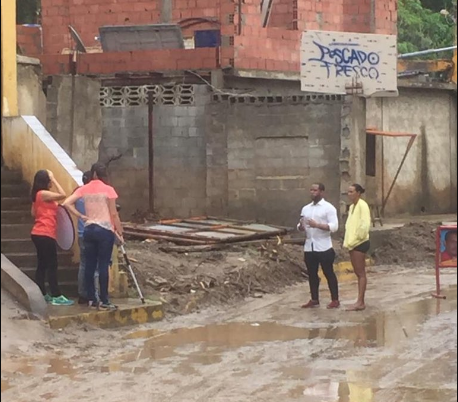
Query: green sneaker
point(62, 301)
point(48, 298)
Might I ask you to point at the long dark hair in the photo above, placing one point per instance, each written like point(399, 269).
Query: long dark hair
point(41, 181)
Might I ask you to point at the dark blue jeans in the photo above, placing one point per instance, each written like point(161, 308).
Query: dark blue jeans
point(98, 244)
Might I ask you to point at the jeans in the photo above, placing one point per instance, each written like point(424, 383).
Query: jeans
point(313, 260)
point(82, 291)
point(47, 264)
point(98, 244)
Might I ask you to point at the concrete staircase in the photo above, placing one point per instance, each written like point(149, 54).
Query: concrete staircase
point(17, 224)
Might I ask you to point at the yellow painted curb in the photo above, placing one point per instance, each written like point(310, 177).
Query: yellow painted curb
point(124, 316)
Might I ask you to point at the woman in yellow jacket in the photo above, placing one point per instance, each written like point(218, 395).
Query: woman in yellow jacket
point(357, 240)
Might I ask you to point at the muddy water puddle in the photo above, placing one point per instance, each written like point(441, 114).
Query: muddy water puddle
point(381, 330)
point(193, 347)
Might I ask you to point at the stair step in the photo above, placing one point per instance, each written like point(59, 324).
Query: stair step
point(16, 203)
point(69, 289)
point(11, 176)
point(30, 259)
point(16, 231)
point(15, 190)
point(13, 217)
point(66, 274)
point(17, 246)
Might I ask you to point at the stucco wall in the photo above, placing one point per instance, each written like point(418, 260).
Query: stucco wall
point(427, 182)
point(31, 98)
point(81, 100)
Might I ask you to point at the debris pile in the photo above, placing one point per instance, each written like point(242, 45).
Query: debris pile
point(188, 281)
point(412, 243)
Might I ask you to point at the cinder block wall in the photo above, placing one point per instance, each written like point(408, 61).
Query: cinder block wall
point(247, 158)
point(274, 152)
point(179, 155)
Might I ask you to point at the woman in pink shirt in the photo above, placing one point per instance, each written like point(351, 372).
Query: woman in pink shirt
point(102, 224)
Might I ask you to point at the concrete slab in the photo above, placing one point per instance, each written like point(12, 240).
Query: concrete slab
point(130, 312)
point(22, 288)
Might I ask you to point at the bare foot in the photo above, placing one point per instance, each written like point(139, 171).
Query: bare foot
point(357, 307)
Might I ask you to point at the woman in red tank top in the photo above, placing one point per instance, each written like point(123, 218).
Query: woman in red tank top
point(44, 210)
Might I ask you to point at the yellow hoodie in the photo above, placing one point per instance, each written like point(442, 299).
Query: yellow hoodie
point(358, 225)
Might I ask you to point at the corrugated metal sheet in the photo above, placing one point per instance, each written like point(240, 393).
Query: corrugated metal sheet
point(203, 230)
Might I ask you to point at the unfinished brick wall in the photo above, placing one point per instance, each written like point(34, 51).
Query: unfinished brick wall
point(86, 16)
point(283, 15)
point(245, 44)
point(386, 16)
point(29, 40)
point(268, 49)
point(140, 61)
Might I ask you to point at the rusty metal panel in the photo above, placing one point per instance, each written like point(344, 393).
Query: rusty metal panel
point(141, 37)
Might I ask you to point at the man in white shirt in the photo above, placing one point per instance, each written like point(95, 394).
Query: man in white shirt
point(318, 220)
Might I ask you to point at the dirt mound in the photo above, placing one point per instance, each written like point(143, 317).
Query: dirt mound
point(415, 242)
point(188, 281)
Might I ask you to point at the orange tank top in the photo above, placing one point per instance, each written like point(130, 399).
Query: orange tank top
point(45, 217)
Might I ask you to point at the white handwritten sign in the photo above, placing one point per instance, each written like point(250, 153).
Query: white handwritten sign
point(330, 61)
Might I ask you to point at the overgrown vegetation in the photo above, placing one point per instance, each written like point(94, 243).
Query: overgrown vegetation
point(421, 25)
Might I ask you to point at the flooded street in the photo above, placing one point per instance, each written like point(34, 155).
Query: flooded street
point(402, 349)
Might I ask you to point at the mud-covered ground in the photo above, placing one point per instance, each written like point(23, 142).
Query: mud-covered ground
point(188, 281)
point(402, 349)
point(238, 334)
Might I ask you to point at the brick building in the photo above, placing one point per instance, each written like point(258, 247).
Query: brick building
point(245, 42)
point(228, 131)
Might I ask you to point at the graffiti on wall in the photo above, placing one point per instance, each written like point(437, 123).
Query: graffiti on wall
point(330, 61)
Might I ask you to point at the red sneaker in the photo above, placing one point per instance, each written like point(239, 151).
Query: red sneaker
point(334, 304)
point(312, 304)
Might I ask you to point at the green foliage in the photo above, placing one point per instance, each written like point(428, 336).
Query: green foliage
point(421, 28)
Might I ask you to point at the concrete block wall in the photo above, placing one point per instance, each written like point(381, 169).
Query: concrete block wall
point(221, 156)
point(274, 153)
point(125, 131)
point(217, 162)
point(180, 157)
